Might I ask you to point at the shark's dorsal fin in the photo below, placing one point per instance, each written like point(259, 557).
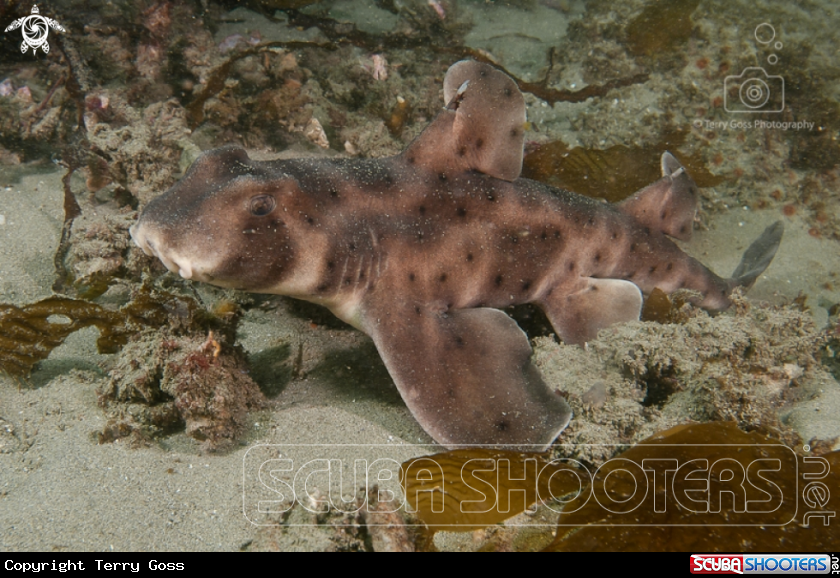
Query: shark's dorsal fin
point(669, 204)
point(482, 126)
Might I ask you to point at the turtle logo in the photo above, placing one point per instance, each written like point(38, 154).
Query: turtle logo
point(35, 29)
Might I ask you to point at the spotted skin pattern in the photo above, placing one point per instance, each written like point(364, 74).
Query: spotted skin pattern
point(421, 250)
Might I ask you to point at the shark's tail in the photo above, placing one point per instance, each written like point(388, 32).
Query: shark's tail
point(758, 256)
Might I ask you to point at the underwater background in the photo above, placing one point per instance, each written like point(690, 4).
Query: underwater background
point(130, 398)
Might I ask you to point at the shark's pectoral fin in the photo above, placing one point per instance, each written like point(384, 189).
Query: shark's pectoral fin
point(466, 375)
point(482, 126)
point(669, 204)
point(577, 317)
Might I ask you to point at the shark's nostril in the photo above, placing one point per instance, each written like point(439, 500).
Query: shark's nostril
point(141, 241)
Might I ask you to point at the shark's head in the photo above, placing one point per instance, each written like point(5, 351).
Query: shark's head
point(223, 223)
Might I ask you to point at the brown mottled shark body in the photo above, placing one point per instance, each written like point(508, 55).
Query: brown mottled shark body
point(421, 250)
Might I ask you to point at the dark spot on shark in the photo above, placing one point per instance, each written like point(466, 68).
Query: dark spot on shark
point(333, 193)
point(417, 309)
point(422, 210)
point(663, 214)
point(514, 133)
point(590, 221)
point(682, 230)
point(420, 237)
point(411, 277)
point(462, 212)
point(479, 143)
point(459, 341)
point(597, 257)
point(508, 92)
point(330, 265)
point(502, 425)
point(462, 151)
point(669, 266)
point(351, 247)
point(442, 278)
point(543, 236)
point(633, 247)
point(347, 280)
point(322, 287)
point(571, 266)
point(498, 280)
point(469, 257)
point(526, 285)
point(442, 176)
point(652, 270)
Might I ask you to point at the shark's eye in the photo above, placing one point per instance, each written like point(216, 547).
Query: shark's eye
point(262, 205)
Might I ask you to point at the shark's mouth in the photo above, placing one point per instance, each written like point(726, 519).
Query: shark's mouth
point(152, 248)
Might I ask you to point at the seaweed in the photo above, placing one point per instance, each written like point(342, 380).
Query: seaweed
point(660, 27)
point(462, 489)
point(698, 507)
point(29, 333)
point(614, 173)
point(798, 487)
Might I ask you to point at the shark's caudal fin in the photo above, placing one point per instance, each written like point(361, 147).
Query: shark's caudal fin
point(669, 204)
point(758, 256)
point(464, 135)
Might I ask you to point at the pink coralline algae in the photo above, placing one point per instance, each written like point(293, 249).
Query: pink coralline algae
point(7, 88)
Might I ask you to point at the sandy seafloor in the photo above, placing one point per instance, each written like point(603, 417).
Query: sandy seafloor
point(60, 490)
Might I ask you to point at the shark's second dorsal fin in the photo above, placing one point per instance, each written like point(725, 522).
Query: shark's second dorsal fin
point(669, 204)
point(481, 128)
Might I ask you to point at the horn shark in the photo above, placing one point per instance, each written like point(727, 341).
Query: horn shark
point(421, 250)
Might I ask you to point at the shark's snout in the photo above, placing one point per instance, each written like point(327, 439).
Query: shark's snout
point(154, 248)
